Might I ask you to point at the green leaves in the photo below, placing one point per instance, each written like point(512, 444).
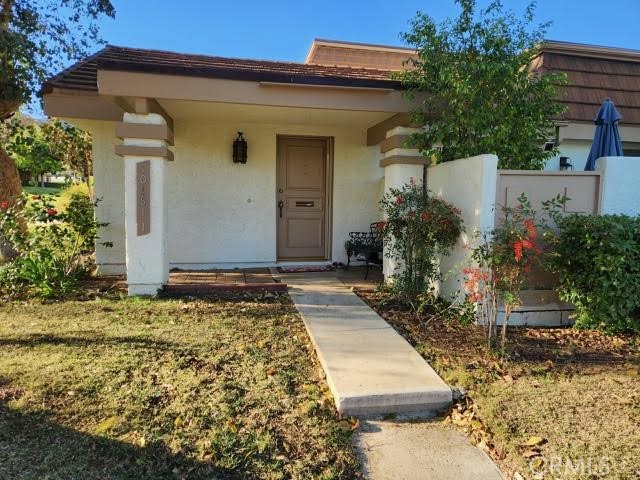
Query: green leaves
point(53, 248)
point(480, 95)
point(597, 260)
point(418, 228)
point(39, 37)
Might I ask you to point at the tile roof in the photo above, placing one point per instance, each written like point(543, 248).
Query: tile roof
point(591, 79)
point(83, 75)
point(350, 54)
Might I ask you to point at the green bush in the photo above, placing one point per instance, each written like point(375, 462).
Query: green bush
point(53, 248)
point(597, 260)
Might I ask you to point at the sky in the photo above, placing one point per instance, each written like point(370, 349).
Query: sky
point(284, 30)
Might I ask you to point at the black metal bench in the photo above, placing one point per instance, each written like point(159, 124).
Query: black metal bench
point(366, 244)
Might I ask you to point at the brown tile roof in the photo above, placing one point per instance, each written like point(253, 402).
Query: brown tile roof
point(592, 77)
point(83, 75)
point(331, 52)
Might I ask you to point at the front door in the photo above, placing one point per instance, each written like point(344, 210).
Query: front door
point(303, 178)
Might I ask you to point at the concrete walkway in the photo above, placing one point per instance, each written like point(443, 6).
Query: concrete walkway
point(420, 451)
point(371, 370)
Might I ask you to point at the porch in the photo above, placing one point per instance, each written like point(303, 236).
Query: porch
point(258, 280)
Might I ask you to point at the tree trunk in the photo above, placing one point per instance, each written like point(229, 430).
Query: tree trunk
point(505, 322)
point(10, 190)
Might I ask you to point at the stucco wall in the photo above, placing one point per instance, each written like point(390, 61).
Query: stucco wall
point(470, 184)
point(576, 150)
point(575, 143)
point(224, 214)
point(620, 180)
point(108, 171)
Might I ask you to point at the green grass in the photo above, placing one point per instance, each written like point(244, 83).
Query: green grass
point(137, 389)
point(42, 190)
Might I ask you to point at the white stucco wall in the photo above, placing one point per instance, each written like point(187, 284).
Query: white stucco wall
point(576, 150)
point(470, 184)
point(620, 180)
point(108, 172)
point(224, 214)
point(575, 143)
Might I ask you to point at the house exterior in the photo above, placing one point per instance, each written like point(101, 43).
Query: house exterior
point(325, 139)
point(593, 74)
point(315, 168)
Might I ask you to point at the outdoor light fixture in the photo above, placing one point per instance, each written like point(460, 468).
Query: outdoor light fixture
point(565, 163)
point(240, 149)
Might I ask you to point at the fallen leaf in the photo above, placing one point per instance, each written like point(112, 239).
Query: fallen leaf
point(533, 441)
point(107, 424)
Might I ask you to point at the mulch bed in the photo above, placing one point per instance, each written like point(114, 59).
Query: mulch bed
point(561, 348)
point(557, 393)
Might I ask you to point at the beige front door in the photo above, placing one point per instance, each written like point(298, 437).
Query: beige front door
point(303, 198)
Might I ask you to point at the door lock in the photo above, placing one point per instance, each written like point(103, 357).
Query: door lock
point(280, 206)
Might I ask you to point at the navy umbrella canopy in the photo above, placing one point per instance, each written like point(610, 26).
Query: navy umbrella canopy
point(606, 141)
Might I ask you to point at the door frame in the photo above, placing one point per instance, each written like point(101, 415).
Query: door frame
point(328, 201)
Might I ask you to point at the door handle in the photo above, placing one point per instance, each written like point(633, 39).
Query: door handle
point(280, 206)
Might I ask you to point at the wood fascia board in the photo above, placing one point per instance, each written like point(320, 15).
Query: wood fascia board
point(164, 86)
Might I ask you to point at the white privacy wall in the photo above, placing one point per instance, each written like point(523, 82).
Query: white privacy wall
point(470, 185)
point(108, 172)
point(224, 214)
point(620, 185)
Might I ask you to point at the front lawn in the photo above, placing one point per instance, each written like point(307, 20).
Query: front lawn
point(132, 389)
point(564, 404)
point(38, 190)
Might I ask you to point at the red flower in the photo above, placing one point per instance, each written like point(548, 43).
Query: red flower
point(424, 216)
point(399, 200)
point(532, 231)
point(380, 225)
point(526, 244)
point(517, 250)
point(52, 212)
point(4, 204)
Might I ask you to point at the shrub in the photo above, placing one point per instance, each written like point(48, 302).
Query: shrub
point(53, 248)
point(597, 260)
point(417, 228)
point(502, 262)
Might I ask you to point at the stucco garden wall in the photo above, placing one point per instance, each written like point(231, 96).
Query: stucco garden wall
point(470, 184)
point(224, 214)
point(620, 180)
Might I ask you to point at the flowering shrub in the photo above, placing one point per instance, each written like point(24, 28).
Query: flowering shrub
point(53, 248)
point(417, 228)
point(502, 261)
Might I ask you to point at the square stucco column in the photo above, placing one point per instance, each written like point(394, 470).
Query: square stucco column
point(620, 177)
point(401, 165)
point(145, 181)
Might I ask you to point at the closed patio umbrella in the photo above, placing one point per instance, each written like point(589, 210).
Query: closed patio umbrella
point(606, 141)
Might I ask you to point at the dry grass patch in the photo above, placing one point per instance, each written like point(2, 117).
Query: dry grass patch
point(565, 396)
point(132, 389)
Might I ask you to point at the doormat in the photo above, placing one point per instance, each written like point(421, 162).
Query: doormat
point(306, 269)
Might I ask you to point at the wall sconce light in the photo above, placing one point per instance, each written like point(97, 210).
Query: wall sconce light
point(240, 149)
point(565, 163)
